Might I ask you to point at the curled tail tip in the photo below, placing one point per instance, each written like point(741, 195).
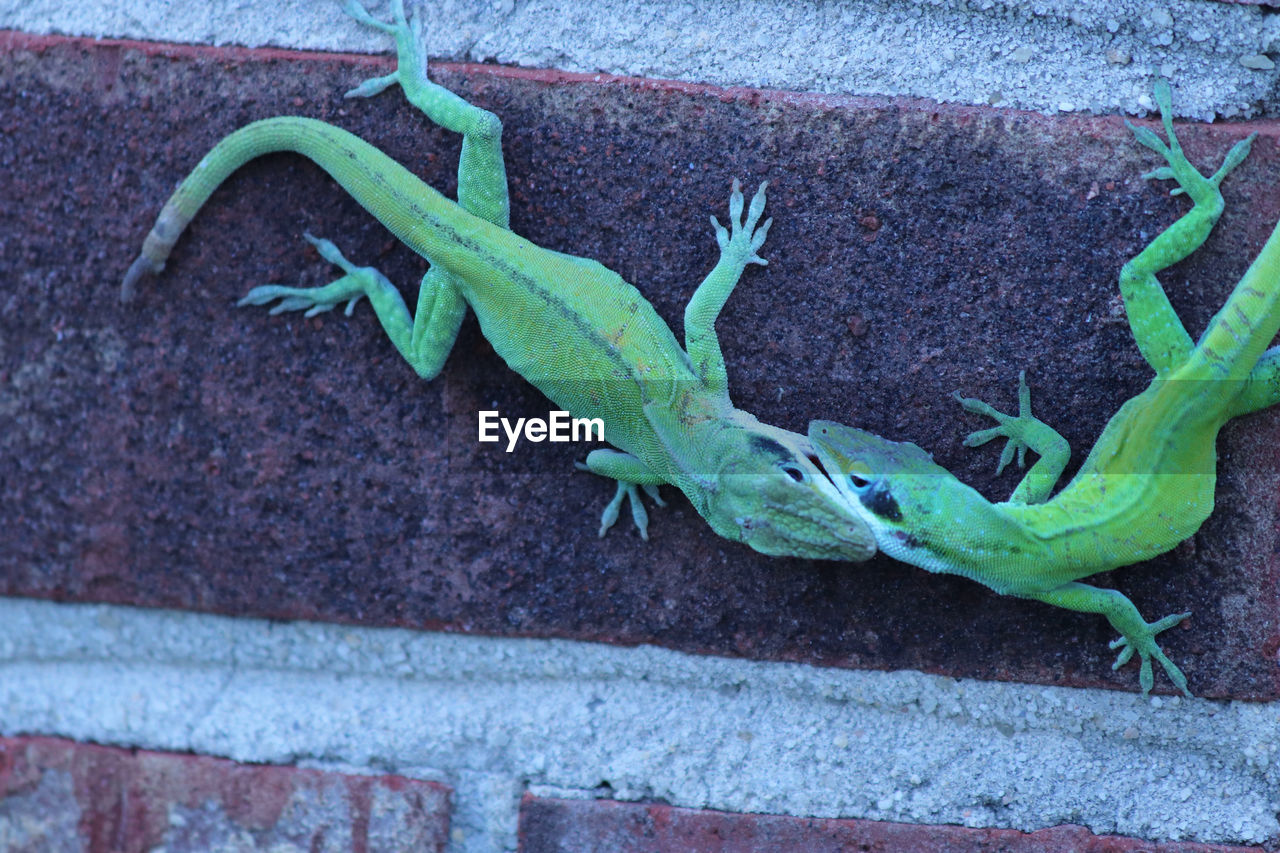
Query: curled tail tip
point(141, 266)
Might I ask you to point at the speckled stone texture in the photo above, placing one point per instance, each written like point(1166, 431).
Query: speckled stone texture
point(58, 795)
point(181, 452)
point(588, 826)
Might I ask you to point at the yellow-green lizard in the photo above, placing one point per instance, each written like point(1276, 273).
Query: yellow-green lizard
point(573, 328)
point(1148, 482)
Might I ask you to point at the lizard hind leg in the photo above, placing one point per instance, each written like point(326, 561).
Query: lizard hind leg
point(351, 288)
point(424, 339)
point(1159, 333)
point(1199, 188)
point(482, 175)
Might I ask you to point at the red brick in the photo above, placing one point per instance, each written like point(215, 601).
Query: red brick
point(604, 826)
point(59, 795)
point(182, 453)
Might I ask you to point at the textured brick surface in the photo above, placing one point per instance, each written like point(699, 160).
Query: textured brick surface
point(180, 452)
point(61, 796)
point(597, 826)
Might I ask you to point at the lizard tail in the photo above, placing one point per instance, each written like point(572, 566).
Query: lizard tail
point(413, 211)
point(1247, 323)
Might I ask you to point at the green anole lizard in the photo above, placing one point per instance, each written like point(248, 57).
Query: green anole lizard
point(576, 330)
point(1148, 482)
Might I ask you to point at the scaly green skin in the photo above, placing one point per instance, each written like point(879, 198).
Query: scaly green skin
point(574, 329)
point(1148, 482)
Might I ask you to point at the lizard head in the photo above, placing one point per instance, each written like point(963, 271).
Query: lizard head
point(771, 494)
point(895, 487)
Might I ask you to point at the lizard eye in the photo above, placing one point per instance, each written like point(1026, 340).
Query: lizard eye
point(792, 471)
point(859, 475)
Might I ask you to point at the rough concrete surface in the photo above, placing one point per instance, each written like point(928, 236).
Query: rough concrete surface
point(1048, 55)
point(488, 716)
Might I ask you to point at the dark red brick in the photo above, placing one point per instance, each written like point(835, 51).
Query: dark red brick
point(602, 826)
point(60, 795)
point(180, 452)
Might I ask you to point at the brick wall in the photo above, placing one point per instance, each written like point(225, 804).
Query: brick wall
point(182, 454)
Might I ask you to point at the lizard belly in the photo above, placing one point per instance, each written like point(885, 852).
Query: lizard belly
point(586, 339)
point(1147, 484)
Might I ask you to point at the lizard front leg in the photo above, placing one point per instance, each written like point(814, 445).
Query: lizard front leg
point(632, 475)
point(1136, 634)
point(738, 247)
point(1024, 431)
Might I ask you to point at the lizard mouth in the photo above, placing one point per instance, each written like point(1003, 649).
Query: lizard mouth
point(822, 469)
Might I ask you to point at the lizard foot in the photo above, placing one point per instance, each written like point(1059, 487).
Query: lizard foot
point(356, 284)
point(1016, 428)
point(743, 238)
point(1143, 640)
point(626, 491)
point(411, 57)
point(1189, 179)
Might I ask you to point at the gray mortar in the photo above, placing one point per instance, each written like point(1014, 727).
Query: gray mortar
point(488, 716)
point(1046, 55)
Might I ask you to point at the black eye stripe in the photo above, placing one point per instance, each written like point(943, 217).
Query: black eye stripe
point(768, 445)
point(879, 502)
